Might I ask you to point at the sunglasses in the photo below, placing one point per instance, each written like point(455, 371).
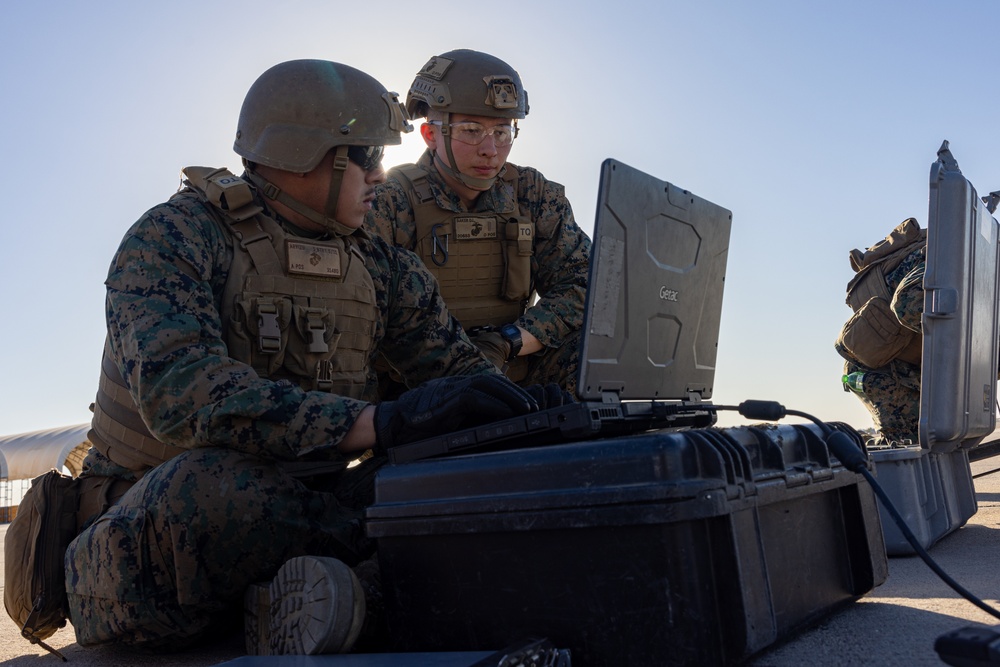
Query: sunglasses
point(366, 157)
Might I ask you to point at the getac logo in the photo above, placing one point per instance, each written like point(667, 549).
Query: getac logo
point(668, 294)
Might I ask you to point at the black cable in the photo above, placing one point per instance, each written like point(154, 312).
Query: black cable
point(851, 456)
point(984, 474)
point(926, 557)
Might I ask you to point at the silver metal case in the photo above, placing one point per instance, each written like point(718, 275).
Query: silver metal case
point(960, 323)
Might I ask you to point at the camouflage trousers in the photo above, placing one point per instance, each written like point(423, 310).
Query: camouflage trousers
point(558, 364)
point(892, 395)
point(170, 561)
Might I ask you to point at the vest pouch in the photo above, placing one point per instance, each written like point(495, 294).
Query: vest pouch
point(314, 341)
point(873, 336)
point(519, 249)
point(265, 323)
point(238, 335)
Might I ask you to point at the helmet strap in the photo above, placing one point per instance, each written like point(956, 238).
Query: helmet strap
point(340, 162)
point(328, 221)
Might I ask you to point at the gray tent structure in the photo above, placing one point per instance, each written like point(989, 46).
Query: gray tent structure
point(28, 455)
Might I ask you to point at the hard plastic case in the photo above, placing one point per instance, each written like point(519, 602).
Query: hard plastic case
point(693, 547)
point(933, 492)
point(931, 483)
point(960, 320)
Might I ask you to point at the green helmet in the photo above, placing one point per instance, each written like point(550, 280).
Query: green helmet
point(467, 82)
point(297, 111)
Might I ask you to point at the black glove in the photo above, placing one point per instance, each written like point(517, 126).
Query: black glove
point(448, 404)
point(493, 346)
point(550, 395)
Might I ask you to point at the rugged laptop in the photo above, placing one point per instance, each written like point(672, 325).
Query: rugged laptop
point(651, 324)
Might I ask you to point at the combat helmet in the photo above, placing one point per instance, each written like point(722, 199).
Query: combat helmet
point(297, 111)
point(470, 82)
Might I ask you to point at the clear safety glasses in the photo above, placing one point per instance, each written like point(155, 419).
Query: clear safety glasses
point(473, 133)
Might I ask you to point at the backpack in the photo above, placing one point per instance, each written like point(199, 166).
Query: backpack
point(873, 336)
point(36, 541)
point(51, 514)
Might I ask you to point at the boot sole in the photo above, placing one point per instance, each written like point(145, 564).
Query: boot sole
point(313, 606)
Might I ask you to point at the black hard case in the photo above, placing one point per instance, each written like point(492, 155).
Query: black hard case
point(697, 547)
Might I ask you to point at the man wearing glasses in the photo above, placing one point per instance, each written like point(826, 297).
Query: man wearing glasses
point(243, 318)
point(501, 239)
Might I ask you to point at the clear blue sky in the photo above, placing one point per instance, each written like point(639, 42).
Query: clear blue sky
point(815, 123)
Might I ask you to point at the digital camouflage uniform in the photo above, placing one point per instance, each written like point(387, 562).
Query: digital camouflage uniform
point(891, 393)
point(559, 263)
point(182, 545)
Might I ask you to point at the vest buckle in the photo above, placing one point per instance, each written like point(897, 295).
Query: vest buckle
point(269, 333)
point(316, 329)
point(324, 375)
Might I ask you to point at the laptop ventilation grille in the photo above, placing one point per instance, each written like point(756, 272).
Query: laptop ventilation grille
point(605, 413)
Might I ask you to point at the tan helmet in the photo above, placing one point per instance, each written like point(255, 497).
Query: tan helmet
point(296, 111)
point(467, 82)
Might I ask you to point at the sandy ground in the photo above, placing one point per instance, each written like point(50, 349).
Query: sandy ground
point(896, 624)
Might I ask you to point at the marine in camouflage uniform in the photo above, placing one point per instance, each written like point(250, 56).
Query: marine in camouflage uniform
point(503, 243)
point(891, 390)
point(241, 455)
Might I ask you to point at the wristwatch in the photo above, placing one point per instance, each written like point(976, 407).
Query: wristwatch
point(512, 335)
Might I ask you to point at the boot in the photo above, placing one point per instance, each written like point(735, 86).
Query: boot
point(313, 606)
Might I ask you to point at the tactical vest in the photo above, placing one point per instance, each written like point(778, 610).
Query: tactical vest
point(482, 261)
point(873, 336)
point(292, 308)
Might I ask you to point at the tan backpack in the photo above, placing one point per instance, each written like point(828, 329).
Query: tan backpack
point(34, 581)
point(873, 336)
point(48, 518)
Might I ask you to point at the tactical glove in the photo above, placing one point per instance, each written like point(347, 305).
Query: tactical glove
point(447, 404)
point(493, 346)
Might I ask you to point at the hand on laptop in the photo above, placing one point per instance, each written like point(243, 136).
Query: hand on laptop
point(448, 404)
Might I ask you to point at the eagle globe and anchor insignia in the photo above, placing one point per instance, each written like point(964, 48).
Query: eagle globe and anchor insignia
point(468, 228)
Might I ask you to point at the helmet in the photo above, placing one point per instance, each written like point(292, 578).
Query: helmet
point(296, 111)
point(467, 82)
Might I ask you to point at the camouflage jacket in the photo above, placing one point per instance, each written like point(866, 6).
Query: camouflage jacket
point(166, 336)
point(559, 266)
point(906, 283)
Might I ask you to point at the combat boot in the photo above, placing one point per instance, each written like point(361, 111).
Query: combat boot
point(313, 606)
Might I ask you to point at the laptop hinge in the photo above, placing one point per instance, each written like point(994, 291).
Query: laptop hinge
point(610, 397)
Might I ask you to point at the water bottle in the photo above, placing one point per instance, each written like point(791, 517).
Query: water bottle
point(854, 382)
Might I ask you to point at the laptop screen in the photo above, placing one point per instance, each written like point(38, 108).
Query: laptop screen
point(651, 323)
point(654, 301)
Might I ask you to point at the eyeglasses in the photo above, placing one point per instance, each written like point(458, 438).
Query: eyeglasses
point(366, 157)
point(473, 134)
